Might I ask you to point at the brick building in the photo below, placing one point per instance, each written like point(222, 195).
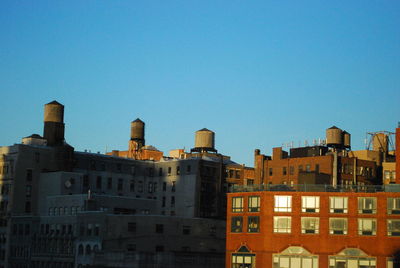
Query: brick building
point(348, 227)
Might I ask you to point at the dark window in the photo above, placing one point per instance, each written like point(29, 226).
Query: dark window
point(173, 186)
point(284, 171)
point(159, 228)
point(317, 168)
point(132, 186)
point(169, 170)
point(270, 171)
point(163, 201)
point(178, 170)
point(164, 186)
point(120, 184)
point(85, 181)
point(131, 247)
point(29, 175)
point(109, 183)
point(28, 191)
point(159, 248)
point(132, 227)
point(186, 230)
point(172, 201)
point(150, 187)
point(98, 182)
point(160, 173)
point(300, 168)
point(119, 167)
point(27, 207)
point(188, 168)
point(236, 224)
point(140, 187)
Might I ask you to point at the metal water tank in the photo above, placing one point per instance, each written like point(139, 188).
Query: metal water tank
point(204, 138)
point(54, 112)
point(137, 130)
point(380, 142)
point(334, 137)
point(346, 139)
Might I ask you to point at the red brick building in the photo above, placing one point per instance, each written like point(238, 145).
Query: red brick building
point(315, 165)
point(300, 229)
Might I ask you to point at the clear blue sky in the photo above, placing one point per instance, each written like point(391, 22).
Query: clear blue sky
point(258, 73)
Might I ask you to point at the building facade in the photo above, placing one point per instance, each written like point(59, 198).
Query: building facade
point(349, 227)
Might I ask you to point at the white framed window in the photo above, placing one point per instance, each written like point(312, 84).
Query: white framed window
point(367, 205)
point(309, 225)
point(393, 205)
point(393, 227)
point(283, 203)
point(367, 226)
point(237, 204)
point(352, 257)
point(253, 224)
point(338, 226)
point(254, 204)
point(294, 257)
point(282, 224)
point(310, 204)
point(338, 204)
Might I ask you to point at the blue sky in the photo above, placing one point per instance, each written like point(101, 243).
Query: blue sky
point(258, 73)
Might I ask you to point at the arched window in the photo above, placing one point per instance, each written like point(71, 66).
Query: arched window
point(96, 248)
point(88, 250)
point(243, 258)
point(80, 249)
point(295, 257)
point(352, 257)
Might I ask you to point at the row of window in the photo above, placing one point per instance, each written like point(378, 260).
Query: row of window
point(310, 225)
point(60, 211)
point(337, 204)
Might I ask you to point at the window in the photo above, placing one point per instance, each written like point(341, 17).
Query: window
point(338, 226)
point(283, 203)
point(172, 201)
point(164, 186)
point(243, 258)
point(393, 205)
point(27, 206)
point(338, 204)
point(308, 168)
point(393, 227)
point(295, 257)
point(300, 168)
point(159, 228)
point(131, 247)
point(236, 224)
point(150, 187)
point(160, 173)
point(188, 168)
point(367, 226)
point(140, 187)
point(270, 171)
point(291, 170)
point(98, 182)
point(352, 257)
point(310, 203)
point(317, 168)
point(29, 175)
point(253, 224)
point(254, 204)
point(284, 171)
point(367, 205)
point(132, 186)
point(173, 186)
point(120, 184)
point(309, 225)
point(178, 170)
point(28, 192)
point(237, 204)
point(169, 171)
point(159, 248)
point(282, 224)
point(132, 227)
point(109, 183)
point(163, 201)
point(186, 230)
